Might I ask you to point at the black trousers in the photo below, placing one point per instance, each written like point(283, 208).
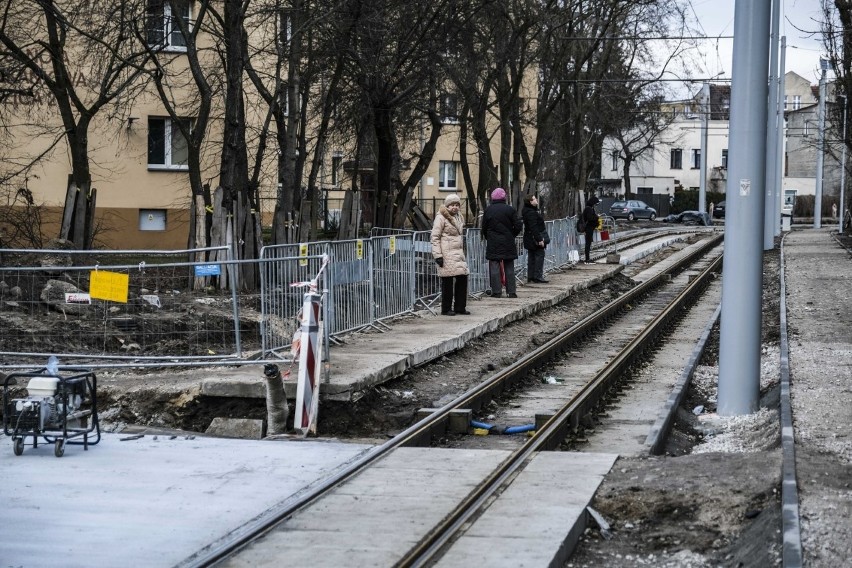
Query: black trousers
point(590, 235)
point(535, 264)
point(453, 288)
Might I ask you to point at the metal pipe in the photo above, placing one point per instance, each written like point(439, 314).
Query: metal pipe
point(769, 221)
point(842, 170)
point(820, 148)
point(705, 119)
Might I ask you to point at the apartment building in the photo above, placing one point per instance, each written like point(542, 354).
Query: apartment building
point(674, 162)
point(140, 158)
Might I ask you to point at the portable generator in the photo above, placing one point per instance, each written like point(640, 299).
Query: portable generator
point(56, 408)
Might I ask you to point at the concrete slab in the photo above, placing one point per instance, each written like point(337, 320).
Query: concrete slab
point(537, 520)
point(397, 502)
point(146, 502)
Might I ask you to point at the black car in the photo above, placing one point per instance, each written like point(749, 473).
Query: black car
point(689, 218)
point(719, 210)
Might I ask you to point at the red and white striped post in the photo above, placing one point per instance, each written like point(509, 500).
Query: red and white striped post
point(310, 360)
point(307, 387)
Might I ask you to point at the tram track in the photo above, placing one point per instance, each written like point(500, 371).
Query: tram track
point(548, 436)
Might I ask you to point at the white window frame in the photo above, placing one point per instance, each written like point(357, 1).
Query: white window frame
point(797, 102)
point(443, 175)
point(613, 155)
point(169, 30)
point(724, 158)
point(695, 159)
point(449, 100)
point(679, 153)
point(169, 131)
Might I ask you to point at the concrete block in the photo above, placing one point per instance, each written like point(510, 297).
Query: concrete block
point(613, 258)
point(458, 421)
point(244, 428)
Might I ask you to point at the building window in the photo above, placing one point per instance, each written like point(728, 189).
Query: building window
point(449, 107)
point(163, 30)
point(641, 190)
point(152, 219)
point(797, 102)
point(676, 159)
point(725, 159)
point(167, 147)
point(696, 158)
point(785, 102)
point(613, 155)
point(336, 161)
point(447, 175)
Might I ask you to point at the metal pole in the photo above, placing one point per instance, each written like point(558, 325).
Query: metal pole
point(782, 124)
point(771, 132)
point(742, 279)
point(842, 169)
point(820, 150)
point(705, 118)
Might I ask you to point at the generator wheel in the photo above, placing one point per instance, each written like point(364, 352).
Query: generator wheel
point(59, 448)
point(18, 446)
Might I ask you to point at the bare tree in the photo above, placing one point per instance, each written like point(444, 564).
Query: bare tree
point(53, 40)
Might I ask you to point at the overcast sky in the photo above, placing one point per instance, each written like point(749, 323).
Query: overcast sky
point(716, 17)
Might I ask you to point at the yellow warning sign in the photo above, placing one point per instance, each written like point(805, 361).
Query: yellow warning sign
point(392, 245)
point(303, 254)
point(359, 249)
point(111, 286)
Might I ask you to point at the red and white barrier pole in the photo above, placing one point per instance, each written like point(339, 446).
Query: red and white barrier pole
point(310, 358)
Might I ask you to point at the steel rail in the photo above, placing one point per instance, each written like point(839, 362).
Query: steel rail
point(553, 431)
point(420, 433)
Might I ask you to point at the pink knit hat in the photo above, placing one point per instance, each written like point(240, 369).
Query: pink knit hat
point(498, 194)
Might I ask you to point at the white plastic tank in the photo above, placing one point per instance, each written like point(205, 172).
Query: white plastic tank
point(42, 386)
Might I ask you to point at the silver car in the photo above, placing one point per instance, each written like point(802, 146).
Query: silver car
point(632, 209)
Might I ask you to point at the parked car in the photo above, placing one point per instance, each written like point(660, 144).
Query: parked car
point(719, 210)
point(689, 218)
point(632, 209)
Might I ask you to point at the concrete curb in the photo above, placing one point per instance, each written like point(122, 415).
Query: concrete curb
point(660, 430)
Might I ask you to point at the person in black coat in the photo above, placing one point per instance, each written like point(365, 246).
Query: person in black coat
point(536, 239)
point(500, 225)
point(590, 217)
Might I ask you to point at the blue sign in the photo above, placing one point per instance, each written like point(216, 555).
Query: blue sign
point(207, 270)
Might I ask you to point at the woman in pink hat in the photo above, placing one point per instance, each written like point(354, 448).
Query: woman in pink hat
point(500, 225)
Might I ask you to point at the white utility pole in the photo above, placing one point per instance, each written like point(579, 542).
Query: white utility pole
point(820, 147)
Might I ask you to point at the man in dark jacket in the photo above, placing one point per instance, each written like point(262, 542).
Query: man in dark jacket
point(590, 216)
point(500, 226)
point(536, 239)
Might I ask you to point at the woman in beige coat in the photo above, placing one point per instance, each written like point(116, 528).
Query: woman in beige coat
point(448, 250)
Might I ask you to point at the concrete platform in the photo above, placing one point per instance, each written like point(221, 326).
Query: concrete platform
point(146, 502)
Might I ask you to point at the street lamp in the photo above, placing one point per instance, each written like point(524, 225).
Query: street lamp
point(842, 169)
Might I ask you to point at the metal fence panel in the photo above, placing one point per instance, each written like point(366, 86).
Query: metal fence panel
point(48, 306)
point(393, 275)
point(281, 266)
point(350, 286)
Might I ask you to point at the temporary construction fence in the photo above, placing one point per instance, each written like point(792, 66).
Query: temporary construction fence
point(372, 279)
point(139, 306)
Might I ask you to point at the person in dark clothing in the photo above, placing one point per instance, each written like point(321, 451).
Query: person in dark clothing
point(590, 217)
point(536, 239)
point(500, 225)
